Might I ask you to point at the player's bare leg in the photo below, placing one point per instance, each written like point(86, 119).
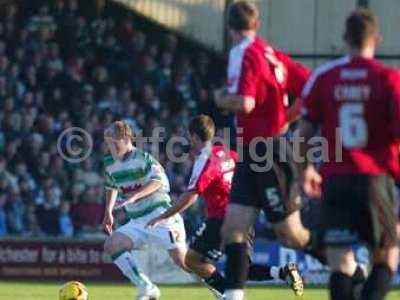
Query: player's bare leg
point(198, 264)
point(207, 271)
point(178, 256)
point(292, 234)
point(119, 247)
point(237, 224)
point(257, 272)
point(385, 263)
point(342, 263)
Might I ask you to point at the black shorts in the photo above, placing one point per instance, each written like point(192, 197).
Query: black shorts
point(360, 208)
point(208, 242)
point(270, 183)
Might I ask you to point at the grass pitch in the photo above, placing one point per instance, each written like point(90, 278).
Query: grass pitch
point(111, 291)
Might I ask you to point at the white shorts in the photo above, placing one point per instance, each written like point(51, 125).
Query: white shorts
point(168, 235)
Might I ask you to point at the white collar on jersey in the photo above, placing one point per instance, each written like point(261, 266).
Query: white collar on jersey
point(244, 43)
point(206, 150)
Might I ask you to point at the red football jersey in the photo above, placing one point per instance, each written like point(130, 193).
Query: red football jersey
point(256, 69)
point(212, 177)
point(362, 98)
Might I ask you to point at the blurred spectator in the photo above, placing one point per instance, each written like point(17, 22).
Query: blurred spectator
point(88, 213)
point(87, 175)
point(58, 172)
point(42, 168)
point(166, 69)
point(32, 224)
point(151, 102)
point(62, 68)
point(23, 176)
point(3, 216)
point(170, 43)
point(43, 23)
point(48, 213)
point(15, 209)
point(66, 226)
point(7, 179)
point(54, 61)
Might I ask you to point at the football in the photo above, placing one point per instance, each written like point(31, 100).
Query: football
point(73, 290)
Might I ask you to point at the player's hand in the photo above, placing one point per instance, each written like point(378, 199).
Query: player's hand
point(311, 181)
point(154, 223)
point(108, 222)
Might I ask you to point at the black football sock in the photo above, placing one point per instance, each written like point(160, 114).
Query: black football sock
point(237, 265)
point(358, 282)
point(378, 283)
point(314, 247)
point(216, 281)
point(260, 273)
point(341, 286)
point(359, 275)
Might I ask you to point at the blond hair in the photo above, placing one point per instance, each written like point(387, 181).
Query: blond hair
point(203, 126)
point(119, 130)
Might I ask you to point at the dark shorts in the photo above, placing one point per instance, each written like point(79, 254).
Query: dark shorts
point(208, 242)
point(360, 208)
point(270, 184)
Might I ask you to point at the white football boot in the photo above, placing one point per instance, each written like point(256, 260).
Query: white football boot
point(151, 292)
point(218, 295)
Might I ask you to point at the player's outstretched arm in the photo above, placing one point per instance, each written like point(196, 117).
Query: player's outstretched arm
point(234, 103)
point(184, 202)
point(143, 191)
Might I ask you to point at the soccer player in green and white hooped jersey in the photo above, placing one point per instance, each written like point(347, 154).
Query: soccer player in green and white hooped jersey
point(137, 182)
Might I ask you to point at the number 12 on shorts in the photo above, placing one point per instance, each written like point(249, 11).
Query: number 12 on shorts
point(174, 236)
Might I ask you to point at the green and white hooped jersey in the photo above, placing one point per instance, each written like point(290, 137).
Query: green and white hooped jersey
point(128, 175)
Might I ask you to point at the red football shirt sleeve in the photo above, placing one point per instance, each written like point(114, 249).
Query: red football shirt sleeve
point(203, 183)
point(394, 98)
point(311, 108)
point(248, 76)
point(297, 75)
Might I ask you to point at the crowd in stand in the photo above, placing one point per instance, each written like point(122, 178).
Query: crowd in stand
point(60, 68)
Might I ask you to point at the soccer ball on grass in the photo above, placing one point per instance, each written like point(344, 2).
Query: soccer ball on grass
point(73, 290)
